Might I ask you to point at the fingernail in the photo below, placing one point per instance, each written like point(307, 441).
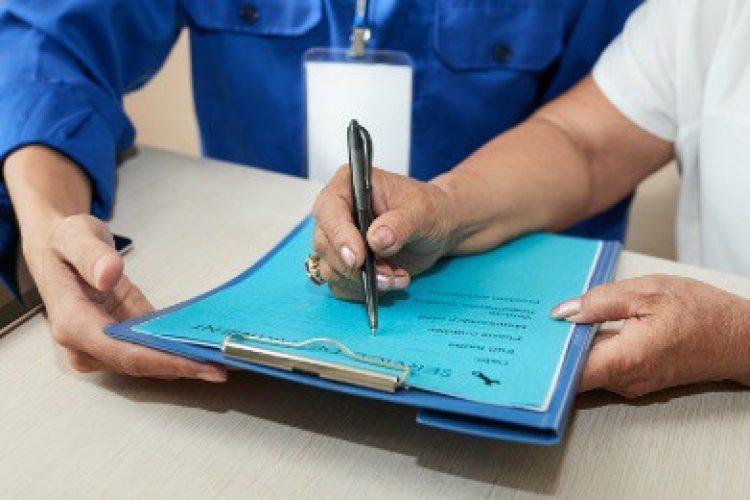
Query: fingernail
point(566, 309)
point(101, 281)
point(348, 256)
point(385, 236)
point(211, 376)
point(383, 283)
point(400, 282)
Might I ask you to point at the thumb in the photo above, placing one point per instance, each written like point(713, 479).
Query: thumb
point(392, 230)
point(610, 302)
point(127, 301)
point(85, 243)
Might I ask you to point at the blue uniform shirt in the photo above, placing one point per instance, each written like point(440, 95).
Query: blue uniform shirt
point(480, 67)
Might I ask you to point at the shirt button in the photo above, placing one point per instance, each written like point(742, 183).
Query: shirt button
point(249, 13)
point(502, 53)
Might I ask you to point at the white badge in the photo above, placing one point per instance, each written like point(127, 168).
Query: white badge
point(374, 89)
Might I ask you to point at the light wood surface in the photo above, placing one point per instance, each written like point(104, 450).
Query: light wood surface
point(196, 223)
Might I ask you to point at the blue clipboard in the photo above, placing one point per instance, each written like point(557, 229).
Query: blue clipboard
point(434, 410)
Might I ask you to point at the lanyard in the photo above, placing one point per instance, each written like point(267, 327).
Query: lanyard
point(360, 31)
point(360, 14)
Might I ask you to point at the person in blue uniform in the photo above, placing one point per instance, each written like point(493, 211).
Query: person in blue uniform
point(481, 67)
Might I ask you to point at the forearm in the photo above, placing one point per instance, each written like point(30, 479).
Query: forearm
point(532, 177)
point(45, 187)
point(574, 158)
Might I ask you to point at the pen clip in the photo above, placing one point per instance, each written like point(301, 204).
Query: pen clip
point(367, 141)
point(360, 164)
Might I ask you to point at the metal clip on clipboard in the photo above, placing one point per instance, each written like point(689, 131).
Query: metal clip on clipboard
point(235, 346)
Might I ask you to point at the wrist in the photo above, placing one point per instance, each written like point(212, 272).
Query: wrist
point(449, 185)
point(45, 187)
point(484, 217)
point(36, 234)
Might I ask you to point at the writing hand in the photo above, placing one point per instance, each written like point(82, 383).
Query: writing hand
point(412, 229)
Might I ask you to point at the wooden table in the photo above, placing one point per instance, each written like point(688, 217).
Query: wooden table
point(196, 223)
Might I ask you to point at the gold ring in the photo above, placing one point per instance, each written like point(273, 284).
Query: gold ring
point(312, 268)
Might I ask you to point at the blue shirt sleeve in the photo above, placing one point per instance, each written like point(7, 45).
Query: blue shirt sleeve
point(64, 67)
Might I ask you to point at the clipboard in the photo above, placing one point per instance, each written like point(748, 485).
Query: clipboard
point(234, 347)
point(432, 409)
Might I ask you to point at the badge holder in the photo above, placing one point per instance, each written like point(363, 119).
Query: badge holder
point(371, 86)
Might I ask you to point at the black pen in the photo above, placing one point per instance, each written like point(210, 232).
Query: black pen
point(360, 165)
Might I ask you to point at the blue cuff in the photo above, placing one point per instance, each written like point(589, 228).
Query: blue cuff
point(58, 116)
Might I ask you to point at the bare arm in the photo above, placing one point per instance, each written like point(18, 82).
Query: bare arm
point(574, 158)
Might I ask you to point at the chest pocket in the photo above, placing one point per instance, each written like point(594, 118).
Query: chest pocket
point(522, 35)
point(258, 17)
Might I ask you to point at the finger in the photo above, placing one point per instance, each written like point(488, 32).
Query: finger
point(343, 287)
point(397, 278)
point(139, 361)
point(350, 288)
point(346, 293)
point(85, 243)
point(321, 245)
point(610, 302)
point(342, 262)
point(623, 363)
point(83, 363)
point(331, 275)
point(83, 332)
point(333, 214)
point(385, 277)
point(392, 230)
point(402, 279)
point(603, 335)
point(127, 301)
point(347, 283)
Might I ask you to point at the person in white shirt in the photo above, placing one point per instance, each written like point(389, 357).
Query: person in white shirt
point(675, 84)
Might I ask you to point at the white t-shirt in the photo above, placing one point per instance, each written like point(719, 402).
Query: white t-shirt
point(681, 71)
